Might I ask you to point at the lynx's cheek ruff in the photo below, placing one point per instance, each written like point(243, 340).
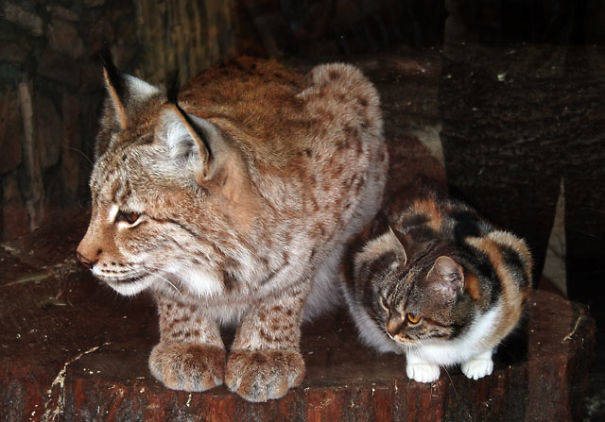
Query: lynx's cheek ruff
point(128, 284)
point(131, 287)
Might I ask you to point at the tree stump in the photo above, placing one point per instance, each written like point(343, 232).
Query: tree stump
point(70, 349)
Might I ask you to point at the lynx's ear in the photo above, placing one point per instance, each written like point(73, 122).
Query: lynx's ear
point(124, 90)
point(446, 276)
point(193, 142)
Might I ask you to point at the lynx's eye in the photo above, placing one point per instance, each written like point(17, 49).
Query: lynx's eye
point(412, 319)
point(128, 217)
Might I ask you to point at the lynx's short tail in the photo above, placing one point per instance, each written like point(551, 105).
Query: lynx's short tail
point(343, 90)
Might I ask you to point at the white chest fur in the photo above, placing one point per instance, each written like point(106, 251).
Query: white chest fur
point(469, 344)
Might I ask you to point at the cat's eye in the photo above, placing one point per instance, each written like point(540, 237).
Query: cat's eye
point(413, 319)
point(128, 217)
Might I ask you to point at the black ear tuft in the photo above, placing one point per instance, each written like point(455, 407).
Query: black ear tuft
point(114, 76)
point(172, 87)
point(172, 93)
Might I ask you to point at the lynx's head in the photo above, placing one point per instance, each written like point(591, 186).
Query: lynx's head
point(166, 187)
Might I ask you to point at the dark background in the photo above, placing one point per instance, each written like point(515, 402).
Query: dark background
point(508, 144)
point(521, 91)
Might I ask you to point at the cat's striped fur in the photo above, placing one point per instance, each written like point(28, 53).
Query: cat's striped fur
point(433, 279)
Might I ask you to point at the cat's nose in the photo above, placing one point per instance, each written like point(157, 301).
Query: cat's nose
point(87, 263)
point(394, 325)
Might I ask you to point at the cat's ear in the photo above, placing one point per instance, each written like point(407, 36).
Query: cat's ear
point(446, 276)
point(122, 90)
point(399, 242)
point(192, 142)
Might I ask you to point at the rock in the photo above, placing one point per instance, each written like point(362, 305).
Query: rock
point(71, 145)
point(61, 12)
point(11, 131)
point(91, 78)
point(49, 130)
point(32, 183)
point(14, 52)
point(204, 36)
point(126, 47)
point(24, 18)
point(59, 67)
point(64, 38)
point(15, 220)
point(99, 30)
point(89, 115)
point(93, 3)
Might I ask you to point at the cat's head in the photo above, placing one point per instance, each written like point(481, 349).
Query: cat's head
point(414, 288)
point(165, 187)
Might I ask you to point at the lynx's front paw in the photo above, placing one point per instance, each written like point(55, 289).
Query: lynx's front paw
point(261, 375)
point(187, 366)
point(422, 372)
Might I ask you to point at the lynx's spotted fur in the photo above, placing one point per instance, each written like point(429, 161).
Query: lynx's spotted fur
point(233, 207)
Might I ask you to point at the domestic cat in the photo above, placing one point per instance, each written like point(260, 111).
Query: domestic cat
point(232, 205)
point(430, 278)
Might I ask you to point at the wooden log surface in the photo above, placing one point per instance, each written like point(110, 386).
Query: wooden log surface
point(70, 349)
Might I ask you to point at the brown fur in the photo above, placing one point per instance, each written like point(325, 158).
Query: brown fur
point(188, 366)
point(437, 260)
point(471, 284)
point(513, 294)
point(247, 192)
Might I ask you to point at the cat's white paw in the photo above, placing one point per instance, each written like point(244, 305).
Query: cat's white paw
point(422, 372)
point(477, 368)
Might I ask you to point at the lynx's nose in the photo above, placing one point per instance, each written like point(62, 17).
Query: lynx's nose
point(87, 263)
point(89, 250)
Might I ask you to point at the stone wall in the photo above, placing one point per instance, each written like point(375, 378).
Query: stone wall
point(187, 35)
point(51, 89)
point(50, 80)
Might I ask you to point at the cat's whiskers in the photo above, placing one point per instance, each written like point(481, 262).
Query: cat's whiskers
point(451, 380)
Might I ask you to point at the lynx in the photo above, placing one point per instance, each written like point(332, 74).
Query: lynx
point(232, 205)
